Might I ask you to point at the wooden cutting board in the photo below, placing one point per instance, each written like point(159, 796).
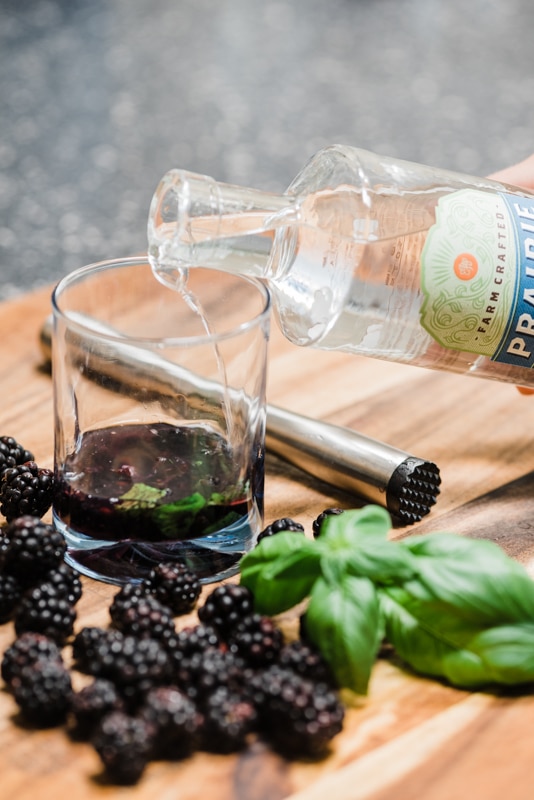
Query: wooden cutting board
point(410, 738)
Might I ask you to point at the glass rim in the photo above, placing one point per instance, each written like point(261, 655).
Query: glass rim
point(99, 330)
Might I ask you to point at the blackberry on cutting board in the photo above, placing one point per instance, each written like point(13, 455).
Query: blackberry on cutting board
point(43, 691)
point(32, 548)
point(12, 453)
point(124, 744)
point(95, 649)
point(225, 606)
point(142, 616)
point(304, 659)
point(44, 610)
point(203, 672)
point(230, 717)
point(188, 643)
point(66, 581)
point(257, 639)
point(175, 586)
point(4, 544)
point(26, 489)
point(299, 717)
point(194, 639)
point(128, 596)
point(279, 525)
point(26, 650)
point(175, 720)
point(10, 594)
point(90, 704)
point(316, 524)
point(138, 666)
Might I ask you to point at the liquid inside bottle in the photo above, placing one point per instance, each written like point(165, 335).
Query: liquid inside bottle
point(371, 256)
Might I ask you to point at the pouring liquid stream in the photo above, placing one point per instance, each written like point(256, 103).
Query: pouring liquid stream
point(180, 285)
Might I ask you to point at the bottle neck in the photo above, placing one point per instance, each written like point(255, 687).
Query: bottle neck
point(194, 220)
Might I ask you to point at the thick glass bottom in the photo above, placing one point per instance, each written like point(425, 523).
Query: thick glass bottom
point(211, 558)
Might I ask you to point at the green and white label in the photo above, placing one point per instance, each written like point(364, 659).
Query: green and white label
point(469, 272)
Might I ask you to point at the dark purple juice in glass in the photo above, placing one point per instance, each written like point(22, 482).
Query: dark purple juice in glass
point(135, 495)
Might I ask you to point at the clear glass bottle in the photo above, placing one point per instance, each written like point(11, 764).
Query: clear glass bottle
point(370, 255)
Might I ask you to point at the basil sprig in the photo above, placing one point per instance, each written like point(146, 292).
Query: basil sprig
point(452, 607)
point(178, 517)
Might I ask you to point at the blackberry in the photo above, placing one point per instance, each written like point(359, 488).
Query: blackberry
point(66, 581)
point(33, 548)
point(91, 704)
point(95, 649)
point(175, 720)
point(279, 525)
point(297, 716)
point(316, 524)
point(144, 617)
point(127, 596)
point(257, 639)
point(195, 639)
point(26, 489)
point(140, 665)
point(10, 594)
point(204, 672)
point(4, 544)
point(43, 691)
point(124, 745)
point(225, 606)
point(305, 660)
point(44, 610)
point(230, 718)
point(187, 643)
point(25, 651)
point(175, 586)
point(12, 453)
point(385, 650)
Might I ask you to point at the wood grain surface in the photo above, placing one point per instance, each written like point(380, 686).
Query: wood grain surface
point(410, 738)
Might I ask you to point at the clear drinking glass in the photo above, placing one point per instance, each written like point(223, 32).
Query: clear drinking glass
point(159, 418)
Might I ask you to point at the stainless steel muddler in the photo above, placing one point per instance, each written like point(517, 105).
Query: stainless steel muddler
point(406, 485)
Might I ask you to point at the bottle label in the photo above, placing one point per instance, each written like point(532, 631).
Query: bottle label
point(477, 276)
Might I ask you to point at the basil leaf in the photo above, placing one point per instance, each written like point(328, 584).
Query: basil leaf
point(139, 497)
point(475, 577)
point(443, 620)
point(452, 607)
point(352, 528)
point(497, 656)
point(146, 502)
point(384, 564)
point(178, 516)
point(355, 542)
point(507, 652)
point(280, 571)
point(501, 655)
point(424, 650)
point(343, 621)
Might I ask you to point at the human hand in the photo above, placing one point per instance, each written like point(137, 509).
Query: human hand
point(521, 174)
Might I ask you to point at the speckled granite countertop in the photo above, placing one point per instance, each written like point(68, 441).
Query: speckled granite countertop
point(98, 98)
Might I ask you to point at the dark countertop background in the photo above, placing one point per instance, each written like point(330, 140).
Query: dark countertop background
point(98, 98)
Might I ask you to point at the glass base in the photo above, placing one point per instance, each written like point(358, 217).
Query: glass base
point(211, 558)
